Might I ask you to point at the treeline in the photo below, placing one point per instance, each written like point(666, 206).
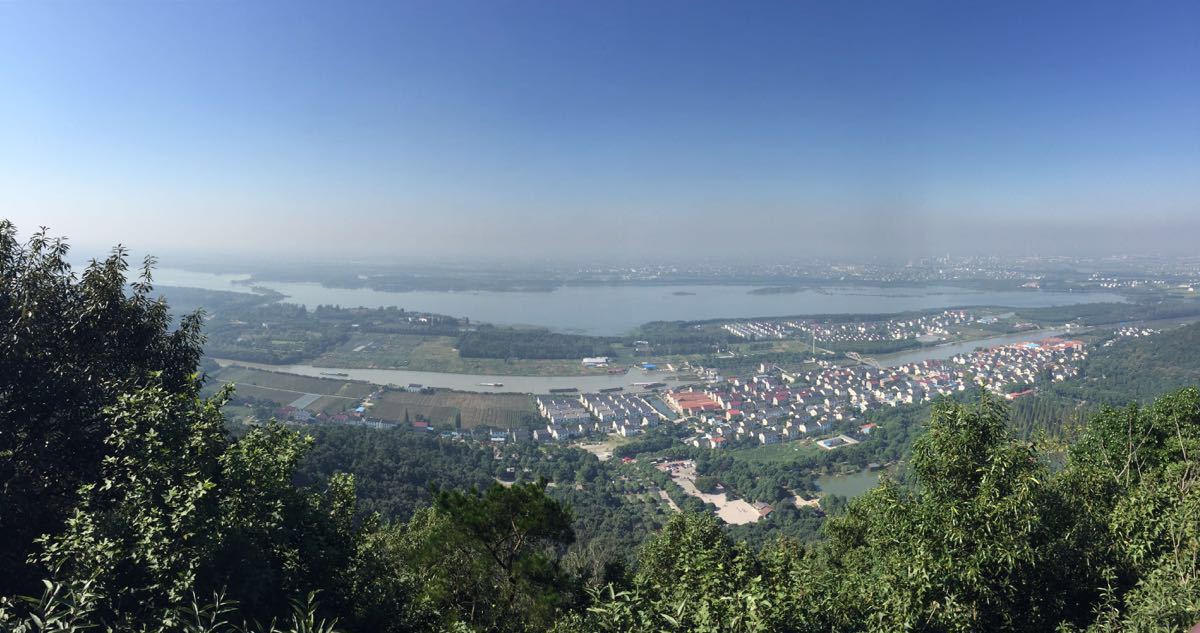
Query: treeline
point(390, 320)
point(870, 347)
point(678, 337)
point(1112, 313)
point(493, 342)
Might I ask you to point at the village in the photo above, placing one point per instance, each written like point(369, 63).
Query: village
point(825, 403)
point(925, 327)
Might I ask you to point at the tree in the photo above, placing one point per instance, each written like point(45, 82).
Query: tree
point(980, 544)
point(1135, 474)
point(181, 509)
point(512, 537)
point(70, 345)
point(692, 577)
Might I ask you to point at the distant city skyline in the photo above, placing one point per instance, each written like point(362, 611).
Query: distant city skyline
point(572, 130)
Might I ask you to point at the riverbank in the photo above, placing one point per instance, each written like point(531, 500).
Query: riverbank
point(950, 350)
point(544, 384)
point(537, 385)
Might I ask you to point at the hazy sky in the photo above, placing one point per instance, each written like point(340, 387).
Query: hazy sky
point(448, 129)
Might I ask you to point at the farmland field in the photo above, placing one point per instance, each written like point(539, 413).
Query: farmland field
point(476, 409)
point(332, 405)
point(437, 353)
point(244, 376)
point(280, 397)
point(775, 453)
point(336, 396)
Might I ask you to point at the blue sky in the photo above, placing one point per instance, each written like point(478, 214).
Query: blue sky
point(460, 128)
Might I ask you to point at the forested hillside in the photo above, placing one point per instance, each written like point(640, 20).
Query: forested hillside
point(1138, 369)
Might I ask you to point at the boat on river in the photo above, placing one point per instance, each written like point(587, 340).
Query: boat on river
point(491, 384)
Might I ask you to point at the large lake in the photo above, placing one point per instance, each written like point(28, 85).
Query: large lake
point(615, 310)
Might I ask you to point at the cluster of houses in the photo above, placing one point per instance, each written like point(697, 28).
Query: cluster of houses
point(827, 401)
point(1113, 283)
point(779, 406)
point(568, 417)
point(1131, 332)
point(999, 368)
point(766, 408)
point(624, 414)
point(773, 406)
point(932, 325)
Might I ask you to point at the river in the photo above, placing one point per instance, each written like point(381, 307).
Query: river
point(593, 384)
point(613, 310)
point(948, 350)
point(471, 382)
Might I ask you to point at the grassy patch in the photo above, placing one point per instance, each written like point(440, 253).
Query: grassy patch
point(437, 353)
point(775, 453)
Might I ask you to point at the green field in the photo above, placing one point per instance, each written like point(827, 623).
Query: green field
point(442, 407)
point(775, 453)
point(437, 353)
point(280, 397)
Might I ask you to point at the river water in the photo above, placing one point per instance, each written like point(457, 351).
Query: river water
point(948, 350)
point(617, 309)
point(471, 382)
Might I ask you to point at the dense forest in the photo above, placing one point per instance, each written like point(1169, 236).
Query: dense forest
point(1138, 369)
point(679, 337)
point(492, 342)
point(395, 469)
point(129, 504)
point(1112, 313)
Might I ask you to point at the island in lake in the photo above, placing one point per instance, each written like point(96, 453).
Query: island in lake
point(777, 290)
